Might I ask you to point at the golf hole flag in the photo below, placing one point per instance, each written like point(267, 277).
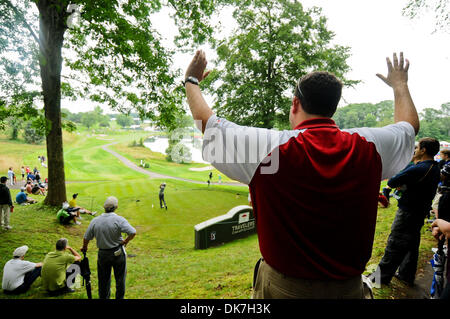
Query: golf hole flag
point(239, 222)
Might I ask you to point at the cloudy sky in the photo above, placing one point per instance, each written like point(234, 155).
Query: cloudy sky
point(373, 30)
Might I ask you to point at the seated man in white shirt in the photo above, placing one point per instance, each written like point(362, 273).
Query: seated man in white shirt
point(19, 274)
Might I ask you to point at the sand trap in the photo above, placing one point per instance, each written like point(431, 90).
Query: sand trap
point(200, 169)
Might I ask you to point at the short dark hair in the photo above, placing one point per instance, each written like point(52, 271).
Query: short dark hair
point(319, 93)
point(3, 179)
point(61, 244)
point(431, 145)
point(446, 152)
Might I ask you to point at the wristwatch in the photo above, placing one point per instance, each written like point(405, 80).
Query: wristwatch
point(190, 79)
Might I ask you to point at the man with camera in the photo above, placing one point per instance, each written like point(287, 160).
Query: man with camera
point(419, 183)
point(300, 181)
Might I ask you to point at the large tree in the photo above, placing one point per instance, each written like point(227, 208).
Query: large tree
point(116, 57)
point(274, 44)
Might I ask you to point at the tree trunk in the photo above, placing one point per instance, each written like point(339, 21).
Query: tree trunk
point(52, 26)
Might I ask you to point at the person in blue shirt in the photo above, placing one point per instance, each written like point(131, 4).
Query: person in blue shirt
point(445, 158)
point(30, 176)
point(419, 183)
point(22, 198)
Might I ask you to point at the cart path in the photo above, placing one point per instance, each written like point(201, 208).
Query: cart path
point(151, 174)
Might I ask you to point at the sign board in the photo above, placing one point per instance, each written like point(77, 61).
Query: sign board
point(239, 222)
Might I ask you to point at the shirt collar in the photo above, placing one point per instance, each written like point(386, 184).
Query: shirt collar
point(316, 122)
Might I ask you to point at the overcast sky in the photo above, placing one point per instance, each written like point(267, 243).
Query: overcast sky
point(373, 30)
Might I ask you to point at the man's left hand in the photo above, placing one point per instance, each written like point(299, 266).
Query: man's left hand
point(197, 66)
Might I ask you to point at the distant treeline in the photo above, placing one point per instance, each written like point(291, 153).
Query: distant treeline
point(96, 117)
point(433, 122)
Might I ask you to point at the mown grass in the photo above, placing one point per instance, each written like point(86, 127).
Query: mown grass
point(159, 164)
point(166, 264)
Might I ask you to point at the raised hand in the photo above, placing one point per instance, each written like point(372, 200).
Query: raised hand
point(397, 71)
point(197, 66)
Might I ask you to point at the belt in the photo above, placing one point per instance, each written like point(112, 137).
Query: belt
point(109, 249)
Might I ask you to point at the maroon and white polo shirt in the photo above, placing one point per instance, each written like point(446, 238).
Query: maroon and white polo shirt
point(314, 189)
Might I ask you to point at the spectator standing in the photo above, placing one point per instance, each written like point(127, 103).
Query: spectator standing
point(19, 274)
point(37, 177)
point(419, 183)
point(6, 204)
point(22, 171)
point(107, 229)
point(11, 176)
point(294, 170)
point(54, 275)
point(445, 158)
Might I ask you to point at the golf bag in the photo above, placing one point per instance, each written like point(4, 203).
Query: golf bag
point(86, 274)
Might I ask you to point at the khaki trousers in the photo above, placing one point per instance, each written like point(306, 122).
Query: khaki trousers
point(4, 215)
point(271, 284)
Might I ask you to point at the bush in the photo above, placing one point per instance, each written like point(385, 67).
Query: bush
point(32, 135)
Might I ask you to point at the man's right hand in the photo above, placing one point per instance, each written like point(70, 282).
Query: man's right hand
point(397, 72)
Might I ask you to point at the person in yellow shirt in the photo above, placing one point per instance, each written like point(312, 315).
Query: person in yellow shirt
point(74, 207)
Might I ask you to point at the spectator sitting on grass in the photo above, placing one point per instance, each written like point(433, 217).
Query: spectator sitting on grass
point(65, 217)
point(54, 270)
point(29, 186)
point(38, 190)
point(30, 177)
point(23, 199)
point(74, 207)
point(19, 274)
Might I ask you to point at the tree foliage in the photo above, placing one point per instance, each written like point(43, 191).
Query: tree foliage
point(365, 115)
point(440, 8)
point(124, 120)
point(33, 135)
point(435, 123)
point(118, 59)
point(275, 43)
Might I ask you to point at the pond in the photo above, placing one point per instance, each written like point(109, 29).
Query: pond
point(160, 144)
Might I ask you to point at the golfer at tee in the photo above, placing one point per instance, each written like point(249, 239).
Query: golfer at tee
point(314, 242)
point(107, 229)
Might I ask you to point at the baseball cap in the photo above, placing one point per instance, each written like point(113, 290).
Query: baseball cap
point(111, 202)
point(21, 251)
point(75, 195)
